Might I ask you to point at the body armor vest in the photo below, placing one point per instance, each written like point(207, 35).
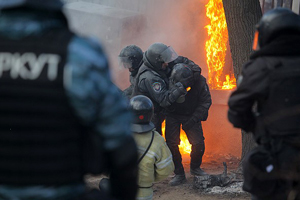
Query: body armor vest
point(40, 138)
point(137, 91)
point(281, 111)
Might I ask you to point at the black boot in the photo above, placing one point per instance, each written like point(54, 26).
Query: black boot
point(198, 172)
point(178, 179)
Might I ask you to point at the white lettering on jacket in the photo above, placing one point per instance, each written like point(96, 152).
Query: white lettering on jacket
point(29, 66)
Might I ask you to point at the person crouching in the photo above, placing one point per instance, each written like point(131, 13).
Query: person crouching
point(155, 159)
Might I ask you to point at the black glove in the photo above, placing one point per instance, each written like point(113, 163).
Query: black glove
point(189, 124)
point(104, 185)
point(176, 91)
point(245, 121)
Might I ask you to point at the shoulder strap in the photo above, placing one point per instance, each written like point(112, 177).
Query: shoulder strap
point(136, 90)
point(140, 159)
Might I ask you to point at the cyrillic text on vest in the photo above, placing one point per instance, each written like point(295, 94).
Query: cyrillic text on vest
point(29, 66)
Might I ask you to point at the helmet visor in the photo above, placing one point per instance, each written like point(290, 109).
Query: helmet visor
point(125, 62)
point(169, 55)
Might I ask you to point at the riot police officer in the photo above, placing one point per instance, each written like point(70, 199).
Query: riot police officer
point(183, 60)
point(53, 99)
point(152, 80)
point(188, 111)
point(131, 58)
point(271, 81)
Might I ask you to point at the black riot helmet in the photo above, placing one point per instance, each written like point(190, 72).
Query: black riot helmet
point(53, 5)
point(142, 108)
point(183, 74)
point(159, 53)
point(276, 22)
point(131, 58)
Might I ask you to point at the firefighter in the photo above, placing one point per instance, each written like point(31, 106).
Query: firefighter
point(189, 110)
point(58, 108)
point(152, 80)
point(131, 58)
point(155, 159)
point(266, 104)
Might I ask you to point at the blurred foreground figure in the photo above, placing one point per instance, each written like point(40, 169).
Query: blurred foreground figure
point(131, 58)
point(155, 162)
point(267, 103)
point(61, 116)
point(188, 111)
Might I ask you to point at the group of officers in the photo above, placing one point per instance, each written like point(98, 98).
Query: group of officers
point(61, 116)
point(179, 94)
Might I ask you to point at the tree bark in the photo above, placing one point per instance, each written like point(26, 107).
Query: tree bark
point(241, 17)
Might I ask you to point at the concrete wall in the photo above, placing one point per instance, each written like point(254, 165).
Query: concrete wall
point(133, 5)
point(138, 6)
point(114, 27)
point(220, 136)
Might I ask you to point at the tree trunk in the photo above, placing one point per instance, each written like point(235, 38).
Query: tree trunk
point(241, 17)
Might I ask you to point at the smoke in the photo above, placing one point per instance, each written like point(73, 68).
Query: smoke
point(176, 23)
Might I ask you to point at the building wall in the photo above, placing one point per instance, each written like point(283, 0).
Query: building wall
point(291, 4)
point(133, 5)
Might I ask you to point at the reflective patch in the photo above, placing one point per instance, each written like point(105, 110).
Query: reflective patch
point(156, 86)
point(240, 79)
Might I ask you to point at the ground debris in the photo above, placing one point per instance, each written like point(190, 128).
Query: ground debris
point(210, 180)
point(219, 184)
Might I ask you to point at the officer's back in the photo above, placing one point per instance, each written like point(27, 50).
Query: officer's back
point(55, 93)
point(266, 103)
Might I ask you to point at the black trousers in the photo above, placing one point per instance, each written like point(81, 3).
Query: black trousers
point(157, 120)
point(195, 137)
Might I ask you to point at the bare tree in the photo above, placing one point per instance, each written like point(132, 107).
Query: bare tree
point(241, 17)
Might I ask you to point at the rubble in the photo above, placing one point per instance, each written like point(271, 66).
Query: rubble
point(203, 182)
point(219, 184)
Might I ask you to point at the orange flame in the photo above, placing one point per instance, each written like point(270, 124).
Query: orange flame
point(184, 147)
point(216, 46)
point(229, 83)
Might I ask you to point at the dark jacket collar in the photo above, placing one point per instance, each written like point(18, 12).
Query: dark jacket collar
point(288, 45)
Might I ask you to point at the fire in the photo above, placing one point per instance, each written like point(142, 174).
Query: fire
point(185, 147)
point(229, 83)
point(216, 46)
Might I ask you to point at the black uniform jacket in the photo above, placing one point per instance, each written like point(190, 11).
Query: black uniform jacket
point(197, 102)
point(272, 80)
